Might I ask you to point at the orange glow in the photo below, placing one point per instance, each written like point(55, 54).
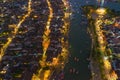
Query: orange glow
point(107, 65)
point(46, 44)
point(47, 32)
point(16, 28)
point(117, 25)
point(55, 61)
point(46, 75)
point(114, 75)
point(101, 11)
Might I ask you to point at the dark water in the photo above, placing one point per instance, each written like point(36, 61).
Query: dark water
point(80, 41)
point(80, 45)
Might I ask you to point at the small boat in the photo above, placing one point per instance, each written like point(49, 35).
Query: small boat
point(75, 58)
point(74, 70)
point(70, 70)
point(77, 72)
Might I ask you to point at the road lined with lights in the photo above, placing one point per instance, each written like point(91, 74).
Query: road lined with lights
point(65, 30)
point(46, 40)
point(47, 73)
point(102, 44)
point(45, 43)
point(16, 28)
point(67, 14)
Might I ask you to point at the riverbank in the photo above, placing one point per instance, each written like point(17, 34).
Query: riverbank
point(100, 66)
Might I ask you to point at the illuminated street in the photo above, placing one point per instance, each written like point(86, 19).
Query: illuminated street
point(16, 27)
point(42, 59)
point(102, 43)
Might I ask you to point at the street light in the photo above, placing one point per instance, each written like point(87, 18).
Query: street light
point(105, 57)
point(101, 11)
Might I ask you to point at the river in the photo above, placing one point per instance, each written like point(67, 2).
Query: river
point(80, 42)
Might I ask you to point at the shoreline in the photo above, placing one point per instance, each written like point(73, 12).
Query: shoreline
point(104, 65)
